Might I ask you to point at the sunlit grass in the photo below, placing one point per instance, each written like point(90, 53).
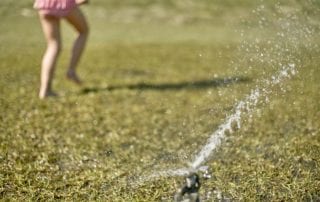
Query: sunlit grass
point(155, 89)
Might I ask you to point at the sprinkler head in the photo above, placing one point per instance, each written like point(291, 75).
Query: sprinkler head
point(193, 181)
point(190, 190)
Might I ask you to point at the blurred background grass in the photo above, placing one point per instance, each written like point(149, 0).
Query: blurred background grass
point(157, 84)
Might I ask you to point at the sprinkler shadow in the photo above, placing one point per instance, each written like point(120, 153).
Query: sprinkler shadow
point(200, 84)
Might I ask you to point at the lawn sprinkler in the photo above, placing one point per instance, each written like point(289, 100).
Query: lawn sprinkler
point(190, 190)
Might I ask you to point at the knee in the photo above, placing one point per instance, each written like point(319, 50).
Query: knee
point(55, 47)
point(84, 31)
point(58, 48)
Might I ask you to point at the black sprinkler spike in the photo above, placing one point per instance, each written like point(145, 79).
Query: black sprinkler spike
point(190, 190)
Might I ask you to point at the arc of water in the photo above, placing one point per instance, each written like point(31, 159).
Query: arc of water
point(246, 106)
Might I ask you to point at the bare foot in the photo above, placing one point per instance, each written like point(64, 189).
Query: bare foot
point(72, 76)
point(47, 94)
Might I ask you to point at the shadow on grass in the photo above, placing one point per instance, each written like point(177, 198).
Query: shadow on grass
point(202, 84)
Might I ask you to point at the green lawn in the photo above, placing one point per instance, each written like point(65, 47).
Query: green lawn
point(160, 77)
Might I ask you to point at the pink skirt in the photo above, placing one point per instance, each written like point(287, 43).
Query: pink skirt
point(58, 8)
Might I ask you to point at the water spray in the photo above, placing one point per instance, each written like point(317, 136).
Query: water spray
point(279, 57)
point(245, 106)
point(242, 108)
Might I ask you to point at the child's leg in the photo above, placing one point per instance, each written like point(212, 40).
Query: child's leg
point(78, 21)
point(51, 30)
